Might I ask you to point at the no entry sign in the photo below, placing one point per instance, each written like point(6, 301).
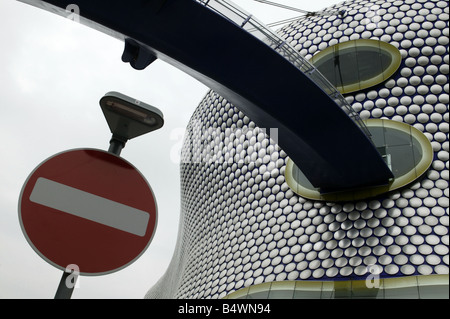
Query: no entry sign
point(88, 208)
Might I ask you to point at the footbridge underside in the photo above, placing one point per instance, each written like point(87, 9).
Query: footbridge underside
point(328, 146)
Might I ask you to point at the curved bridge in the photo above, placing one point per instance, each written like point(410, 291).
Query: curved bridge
point(226, 49)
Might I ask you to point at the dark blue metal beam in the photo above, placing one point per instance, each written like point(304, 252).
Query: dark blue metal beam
point(320, 138)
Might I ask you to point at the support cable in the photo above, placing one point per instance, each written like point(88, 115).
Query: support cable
point(308, 13)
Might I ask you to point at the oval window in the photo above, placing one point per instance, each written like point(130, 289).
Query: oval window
point(406, 151)
point(358, 64)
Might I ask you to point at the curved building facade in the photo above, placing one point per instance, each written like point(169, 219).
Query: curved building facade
point(250, 226)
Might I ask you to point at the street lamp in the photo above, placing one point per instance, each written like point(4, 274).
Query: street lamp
point(128, 118)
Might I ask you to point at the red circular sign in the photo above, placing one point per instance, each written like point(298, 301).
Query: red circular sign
point(88, 208)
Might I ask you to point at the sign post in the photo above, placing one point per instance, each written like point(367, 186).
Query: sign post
point(66, 285)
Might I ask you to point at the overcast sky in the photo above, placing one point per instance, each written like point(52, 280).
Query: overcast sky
point(53, 73)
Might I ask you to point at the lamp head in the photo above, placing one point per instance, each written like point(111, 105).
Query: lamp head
point(128, 118)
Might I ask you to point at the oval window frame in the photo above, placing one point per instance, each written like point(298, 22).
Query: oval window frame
point(412, 175)
point(386, 74)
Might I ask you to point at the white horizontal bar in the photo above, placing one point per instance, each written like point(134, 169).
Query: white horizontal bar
point(89, 206)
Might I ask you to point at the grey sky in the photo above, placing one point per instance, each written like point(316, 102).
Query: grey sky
point(53, 73)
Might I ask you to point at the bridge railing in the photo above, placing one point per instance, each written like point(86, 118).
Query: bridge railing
point(246, 21)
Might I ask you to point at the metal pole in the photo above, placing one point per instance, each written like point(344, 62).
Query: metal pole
point(66, 286)
point(116, 144)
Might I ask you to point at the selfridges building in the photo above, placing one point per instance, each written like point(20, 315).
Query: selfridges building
point(251, 225)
